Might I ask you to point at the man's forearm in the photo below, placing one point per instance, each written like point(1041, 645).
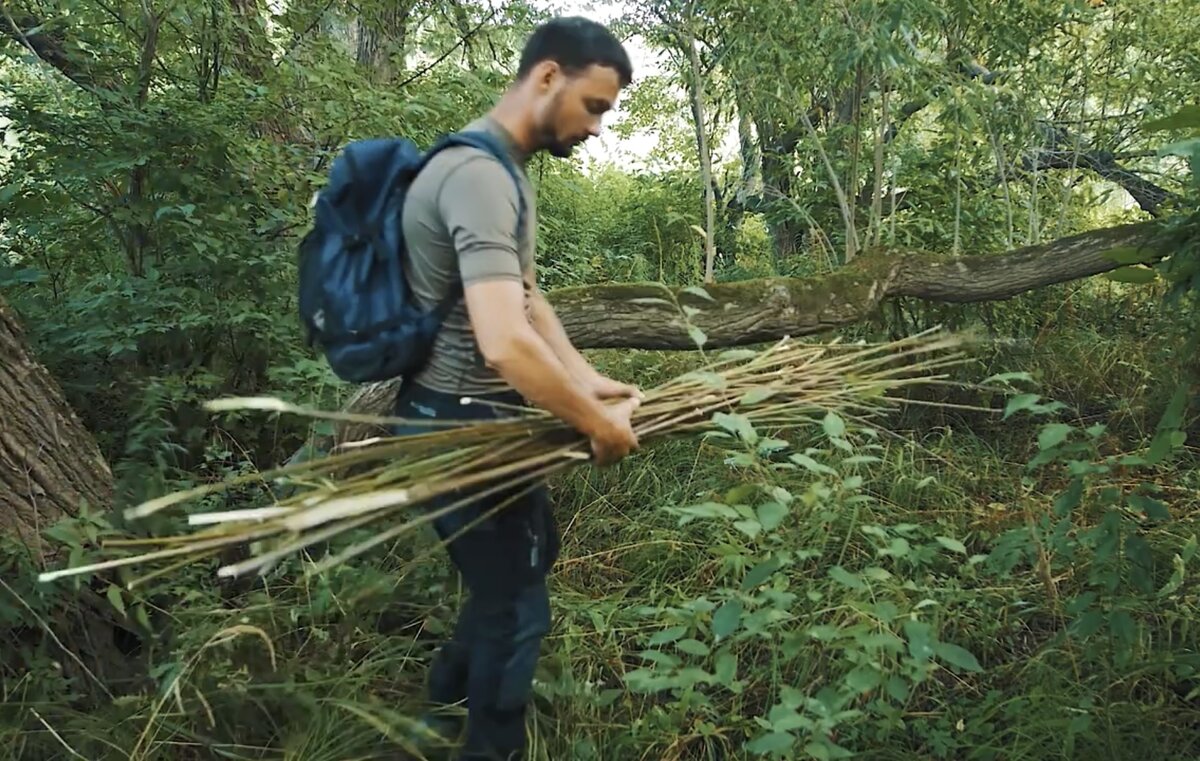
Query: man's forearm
point(548, 326)
point(529, 365)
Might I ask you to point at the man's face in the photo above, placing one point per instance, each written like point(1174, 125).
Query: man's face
point(570, 108)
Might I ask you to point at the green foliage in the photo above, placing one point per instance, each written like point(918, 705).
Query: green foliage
point(955, 585)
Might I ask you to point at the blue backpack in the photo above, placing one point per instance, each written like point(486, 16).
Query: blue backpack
point(355, 300)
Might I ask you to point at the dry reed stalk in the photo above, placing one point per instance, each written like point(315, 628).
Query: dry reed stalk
point(781, 387)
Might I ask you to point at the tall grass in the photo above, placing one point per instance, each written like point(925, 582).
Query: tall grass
point(932, 595)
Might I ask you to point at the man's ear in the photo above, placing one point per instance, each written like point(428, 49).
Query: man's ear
point(544, 74)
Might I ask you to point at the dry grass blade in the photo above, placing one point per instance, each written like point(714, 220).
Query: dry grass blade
point(783, 386)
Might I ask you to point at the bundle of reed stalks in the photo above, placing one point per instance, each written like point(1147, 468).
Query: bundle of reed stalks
point(787, 385)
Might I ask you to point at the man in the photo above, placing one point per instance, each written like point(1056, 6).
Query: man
point(501, 347)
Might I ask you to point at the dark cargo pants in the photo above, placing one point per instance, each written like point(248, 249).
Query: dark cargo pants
point(503, 560)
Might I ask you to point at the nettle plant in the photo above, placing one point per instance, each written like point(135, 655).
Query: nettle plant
point(829, 623)
point(821, 614)
point(1108, 534)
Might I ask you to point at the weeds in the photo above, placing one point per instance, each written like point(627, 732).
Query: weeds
point(816, 594)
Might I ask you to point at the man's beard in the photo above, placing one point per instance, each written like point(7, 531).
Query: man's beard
point(561, 150)
point(549, 141)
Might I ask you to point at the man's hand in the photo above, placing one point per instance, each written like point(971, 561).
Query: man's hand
point(616, 439)
point(603, 387)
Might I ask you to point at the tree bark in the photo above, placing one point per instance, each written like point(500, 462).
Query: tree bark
point(651, 316)
point(381, 40)
point(49, 463)
point(700, 124)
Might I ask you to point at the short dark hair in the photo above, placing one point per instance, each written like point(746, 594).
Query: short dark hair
point(574, 43)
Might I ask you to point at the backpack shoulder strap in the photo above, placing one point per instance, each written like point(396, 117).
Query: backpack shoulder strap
point(490, 144)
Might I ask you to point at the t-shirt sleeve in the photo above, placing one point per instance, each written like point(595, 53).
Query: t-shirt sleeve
point(478, 202)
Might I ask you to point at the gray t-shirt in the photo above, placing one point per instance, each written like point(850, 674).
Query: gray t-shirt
point(460, 221)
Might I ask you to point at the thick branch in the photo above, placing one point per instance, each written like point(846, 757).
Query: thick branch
point(1149, 197)
point(51, 48)
point(993, 278)
point(611, 316)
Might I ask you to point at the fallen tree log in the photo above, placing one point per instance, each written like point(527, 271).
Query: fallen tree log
point(50, 465)
point(654, 316)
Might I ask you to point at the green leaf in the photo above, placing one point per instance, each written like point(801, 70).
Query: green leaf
point(1006, 377)
point(1137, 274)
point(750, 528)
point(712, 380)
point(920, 639)
point(757, 396)
point(863, 678)
point(1130, 255)
point(898, 547)
point(661, 658)
point(1087, 624)
point(1185, 118)
point(957, 656)
point(760, 573)
point(696, 290)
point(1163, 443)
point(771, 514)
point(668, 635)
point(692, 647)
point(698, 336)
point(1153, 508)
point(811, 464)
point(10, 276)
point(845, 578)
point(861, 459)
point(773, 742)
point(770, 446)
point(952, 544)
point(741, 493)
point(1052, 435)
point(835, 427)
point(8, 191)
point(727, 619)
point(738, 424)
point(734, 355)
point(897, 688)
point(1069, 499)
point(707, 510)
point(1020, 402)
point(725, 667)
point(114, 596)
point(1122, 626)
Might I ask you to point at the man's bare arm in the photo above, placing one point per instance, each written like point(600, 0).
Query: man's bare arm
point(478, 204)
point(511, 346)
point(550, 328)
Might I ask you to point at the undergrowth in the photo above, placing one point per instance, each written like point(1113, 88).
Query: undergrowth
point(1006, 587)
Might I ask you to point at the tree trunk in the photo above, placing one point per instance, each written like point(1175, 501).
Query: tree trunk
point(777, 194)
point(696, 80)
point(382, 32)
point(49, 463)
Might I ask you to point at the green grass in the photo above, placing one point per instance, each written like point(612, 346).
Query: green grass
point(928, 604)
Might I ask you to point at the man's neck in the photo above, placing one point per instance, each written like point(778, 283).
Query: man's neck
point(509, 113)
